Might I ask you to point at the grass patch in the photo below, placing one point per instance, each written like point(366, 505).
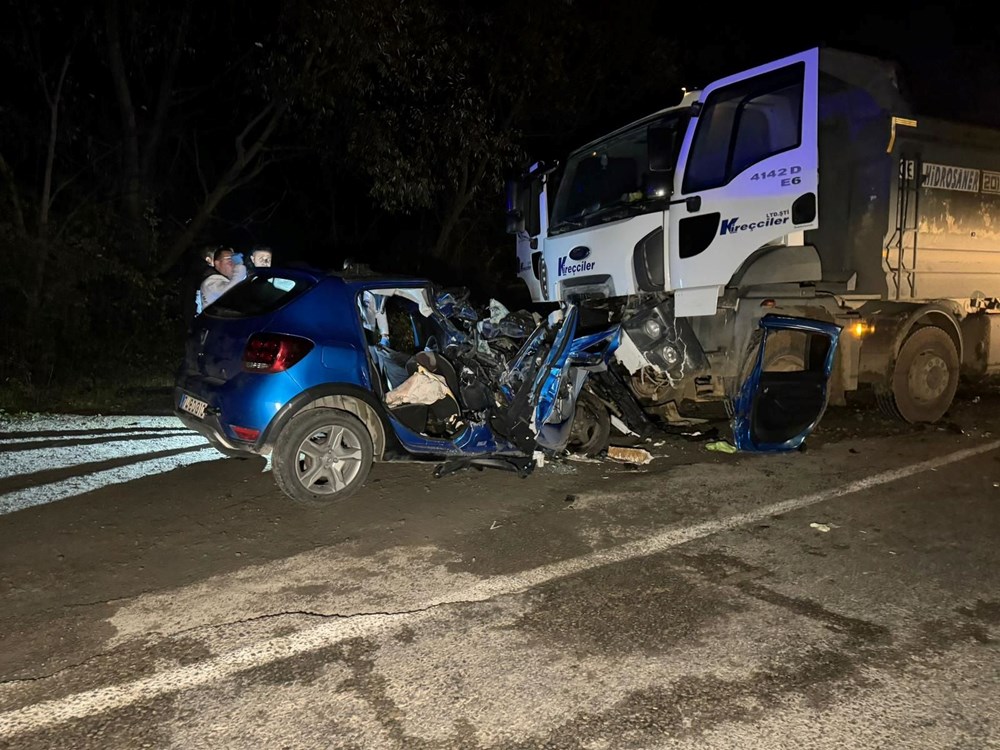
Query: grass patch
point(146, 396)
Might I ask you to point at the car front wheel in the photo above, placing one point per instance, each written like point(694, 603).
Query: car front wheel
point(321, 456)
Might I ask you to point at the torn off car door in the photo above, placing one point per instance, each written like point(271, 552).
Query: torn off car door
point(782, 399)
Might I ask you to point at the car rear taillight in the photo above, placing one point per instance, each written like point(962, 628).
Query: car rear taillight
point(247, 434)
point(274, 352)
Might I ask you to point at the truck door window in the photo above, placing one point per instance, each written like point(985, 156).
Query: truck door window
point(742, 124)
point(532, 219)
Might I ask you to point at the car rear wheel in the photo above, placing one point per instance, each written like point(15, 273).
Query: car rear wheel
point(322, 456)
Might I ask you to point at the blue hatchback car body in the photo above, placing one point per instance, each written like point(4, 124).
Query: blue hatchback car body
point(286, 364)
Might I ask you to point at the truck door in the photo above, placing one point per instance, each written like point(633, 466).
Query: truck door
point(528, 221)
point(747, 176)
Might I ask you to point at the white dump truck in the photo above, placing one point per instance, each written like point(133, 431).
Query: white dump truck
point(806, 187)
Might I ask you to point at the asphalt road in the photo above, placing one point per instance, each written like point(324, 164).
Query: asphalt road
point(157, 595)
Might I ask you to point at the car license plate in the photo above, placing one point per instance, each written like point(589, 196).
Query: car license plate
point(193, 406)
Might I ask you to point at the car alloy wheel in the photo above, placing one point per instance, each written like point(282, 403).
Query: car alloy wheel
point(322, 455)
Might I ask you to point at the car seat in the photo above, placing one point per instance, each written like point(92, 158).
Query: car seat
point(443, 416)
point(436, 363)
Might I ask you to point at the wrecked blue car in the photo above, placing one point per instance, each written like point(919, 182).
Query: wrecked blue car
point(327, 373)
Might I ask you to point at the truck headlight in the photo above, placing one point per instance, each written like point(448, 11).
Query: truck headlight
point(670, 355)
point(652, 328)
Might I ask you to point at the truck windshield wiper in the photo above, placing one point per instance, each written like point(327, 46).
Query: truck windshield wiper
point(570, 222)
point(622, 208)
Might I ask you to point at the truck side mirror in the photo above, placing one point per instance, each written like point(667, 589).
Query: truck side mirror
point(515, 216)
point(661, 143)
point(515, 222)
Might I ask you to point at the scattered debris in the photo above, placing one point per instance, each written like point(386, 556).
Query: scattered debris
point(672, 415)
point(580, 458)
point(558, 467)
point(658, 443)
point(819, 526)
point(721, 446)
point(701, 435)
point(494, 525)
point(622, 427)
point(639, 456)
point(539, 459)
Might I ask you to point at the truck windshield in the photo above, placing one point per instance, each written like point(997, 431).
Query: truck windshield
point(628, 174)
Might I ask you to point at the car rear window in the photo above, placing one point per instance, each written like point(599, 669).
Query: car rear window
point(258, 296)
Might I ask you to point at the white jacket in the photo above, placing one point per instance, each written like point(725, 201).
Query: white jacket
point(216, 285)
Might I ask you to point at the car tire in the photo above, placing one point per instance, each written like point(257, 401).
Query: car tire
point(322, 456)
point(591, 428)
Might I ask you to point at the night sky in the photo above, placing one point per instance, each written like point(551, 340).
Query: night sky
point(948, 51)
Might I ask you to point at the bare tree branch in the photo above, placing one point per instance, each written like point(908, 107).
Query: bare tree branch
point(234, 177)
point(197, 166)
point(126, 109)
point(238, 143)
point(82, 170)
point(15, 196)
point(50, 157)
point(163, 102)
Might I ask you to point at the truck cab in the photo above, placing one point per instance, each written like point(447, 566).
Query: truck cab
point(666, 204)
point(805, 187)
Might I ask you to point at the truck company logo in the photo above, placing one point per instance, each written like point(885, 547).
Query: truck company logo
point(732, 226)
point(565, 269)
point(950, 178)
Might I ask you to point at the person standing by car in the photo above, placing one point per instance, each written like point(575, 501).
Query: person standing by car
point(229, 271)
point(260, 257)
point(201, 270)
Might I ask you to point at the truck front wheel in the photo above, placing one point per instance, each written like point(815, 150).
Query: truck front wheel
point(924, 379)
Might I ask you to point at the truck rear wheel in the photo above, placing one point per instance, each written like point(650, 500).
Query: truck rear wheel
point(924, 378)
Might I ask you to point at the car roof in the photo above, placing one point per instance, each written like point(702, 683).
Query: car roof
point(354, 277)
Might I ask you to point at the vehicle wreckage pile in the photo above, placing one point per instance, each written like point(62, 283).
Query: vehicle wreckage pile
point(591, 387)
point(328, 373)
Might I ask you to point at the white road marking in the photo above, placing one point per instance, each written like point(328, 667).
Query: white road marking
point(89, 702)
point(47, 493)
